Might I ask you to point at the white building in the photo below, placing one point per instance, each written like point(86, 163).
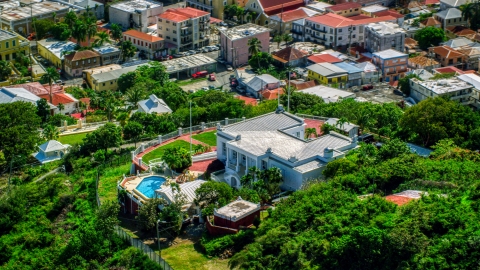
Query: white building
point(277, 140)
point(51, 151)
point(384, 35)
point(370, 72)
point(454, 88)
point(474, 80)
point(153, 105)
point(10, 95)
point(262, 82)
point(136, 14)
point(328, 94)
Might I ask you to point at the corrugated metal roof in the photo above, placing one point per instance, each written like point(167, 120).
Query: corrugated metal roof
point(267, 122)
point(188, 189)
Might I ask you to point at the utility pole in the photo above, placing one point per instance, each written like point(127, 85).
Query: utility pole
point(191, 127)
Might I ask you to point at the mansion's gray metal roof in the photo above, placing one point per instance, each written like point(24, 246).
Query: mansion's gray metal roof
point(188, 189)
point(310, 166)
point(287, 146)
point(268, 122)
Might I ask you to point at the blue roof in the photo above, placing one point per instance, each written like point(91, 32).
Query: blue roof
point(348, 67)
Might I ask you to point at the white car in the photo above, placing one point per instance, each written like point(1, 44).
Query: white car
point(229, 68)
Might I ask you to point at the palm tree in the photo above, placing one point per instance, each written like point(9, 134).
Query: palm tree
point(50, 77)
point(54, 17)
point(287, 38)
point(79, 31)
point(103, 37)
point(116, 31)
point(134, 95)
point(470, 13)
point(128, 50)
point(90, 29)
point(70, 19)
point(50, 132)
point(278, 39)
point(254, 46)
point(341, 122)
point(289, 69)
point(309, 132)
point(60, 107)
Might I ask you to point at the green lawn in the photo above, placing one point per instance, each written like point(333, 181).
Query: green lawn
point(73, 139)
point(185, 256)
point(107, 186)
point(157, 153)
point(190, 81)
point(209, 138)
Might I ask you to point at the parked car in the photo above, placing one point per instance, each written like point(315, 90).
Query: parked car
point(229, 68)
point(205, 88)
point(199, 50)
point(211, 87)
point(367, 87)
point(212, 77)
point(178, 55)
point(192, 52)
point(187, 53)
point(200, 74)
point(205, 50)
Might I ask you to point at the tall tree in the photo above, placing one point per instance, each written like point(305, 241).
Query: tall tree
point(70, 19)
point(134, 94)
point(19, 124)
point(278, 39)
point(177, 158)
point(128, 50)
point(102, 38)
point(79, 31)
point(50, 77)
point(133, 130)
point(430, 36)
point(212, 195)
point(50, 132)
point(90, 28)
point(43, 109)
point(254, 47)
point(5, 70)
point(116, 31)
point(287, 38)
point(106, 136)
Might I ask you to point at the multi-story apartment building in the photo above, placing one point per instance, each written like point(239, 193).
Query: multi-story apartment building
point(334, 30)
point(454, 88)
point(151, 45)
point(76, 62)
point(345, 9)
point(283, 22)
point(184, 28)
point(266, 8)
point(214, 7)
point(384, 35)
point(392, 64)
point(11, 45)
point(234, 42)
point(135, 14)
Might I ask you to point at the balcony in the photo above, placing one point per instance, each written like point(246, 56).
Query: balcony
point(296, 31)
point(195, 4)
point(185, 33)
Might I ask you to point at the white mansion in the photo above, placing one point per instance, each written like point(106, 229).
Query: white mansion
point(277, 140)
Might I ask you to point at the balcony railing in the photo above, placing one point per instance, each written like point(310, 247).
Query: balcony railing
point(198, 4)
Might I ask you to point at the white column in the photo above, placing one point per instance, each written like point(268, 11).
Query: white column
point(238, 161)
point(228, 154)
point(246, 165)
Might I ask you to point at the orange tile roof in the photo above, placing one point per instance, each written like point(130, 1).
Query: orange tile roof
point(449, 70)
point(142, 36)
point(292, 15)
point(335, 21)
point(58, 98)
point(344, 6)
point(303, 85)
point(324, 58)
point(79, 55)
point(182, 14)
point(272, 94)
point(359, 17)
point(83, 43)
point(269, 5)
point(430, 22)
point(248, 100)
point(410, 42)
point(388, 13)
point(288, 54)
point(398, 200)
point(422, 61)
point(431, 2)
point(364, 58)
point(446, 52)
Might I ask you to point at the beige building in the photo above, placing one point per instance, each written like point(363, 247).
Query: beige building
point(264, 9)
point(76, 62)
point(11, 45)
point(88, 73)
point(184, 28)
point(150, 45)
point(345, 9)
point(214, 7)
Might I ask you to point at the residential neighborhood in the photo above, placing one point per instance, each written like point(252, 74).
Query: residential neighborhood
point(248, 134)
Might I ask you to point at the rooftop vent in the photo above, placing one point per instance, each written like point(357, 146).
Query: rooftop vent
point(238, 138)
point(246, 33)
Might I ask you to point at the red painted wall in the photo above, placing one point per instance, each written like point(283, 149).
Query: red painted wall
point(246, 221)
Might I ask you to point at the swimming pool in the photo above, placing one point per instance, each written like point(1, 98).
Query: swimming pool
point(149, 184)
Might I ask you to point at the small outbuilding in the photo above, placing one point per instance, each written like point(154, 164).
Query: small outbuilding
point(237, 213)
point(51, 151)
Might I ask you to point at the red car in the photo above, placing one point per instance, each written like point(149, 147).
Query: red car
point(200, 74)
point(367, 87)
point(212, 77)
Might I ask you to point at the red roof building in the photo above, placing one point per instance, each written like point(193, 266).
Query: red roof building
point(323, 58)
point(271, 7)
point(444, 70)
point(272, 94)
point(248, 100)
point(300, 85)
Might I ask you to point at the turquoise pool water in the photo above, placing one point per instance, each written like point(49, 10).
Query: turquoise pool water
point(149, 184)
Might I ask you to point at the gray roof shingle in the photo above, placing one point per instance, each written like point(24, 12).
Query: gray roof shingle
point(267, 122)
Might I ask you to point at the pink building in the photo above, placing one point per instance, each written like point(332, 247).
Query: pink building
point(234, 42)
